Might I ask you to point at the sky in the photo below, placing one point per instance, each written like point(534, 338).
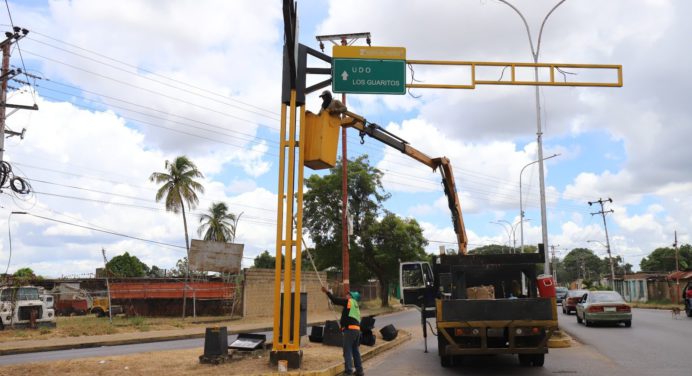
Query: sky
point(122, 86)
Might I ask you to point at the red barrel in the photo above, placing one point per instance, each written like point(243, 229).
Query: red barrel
point(546, 286)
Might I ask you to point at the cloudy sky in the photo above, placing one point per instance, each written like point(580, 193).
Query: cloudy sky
point(124, 85)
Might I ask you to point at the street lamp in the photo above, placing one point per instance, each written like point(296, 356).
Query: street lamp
point(513, 227)
point(500, 223)
point(9, 235)
point(539, 132)
point(521, 204)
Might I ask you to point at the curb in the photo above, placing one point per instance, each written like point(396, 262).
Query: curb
point(561, 340)
point(338, 369)
point(131, 341)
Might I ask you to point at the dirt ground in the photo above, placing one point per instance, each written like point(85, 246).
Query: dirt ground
point(176, 363)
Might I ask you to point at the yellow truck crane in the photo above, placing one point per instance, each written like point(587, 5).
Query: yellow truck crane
point(482, 304)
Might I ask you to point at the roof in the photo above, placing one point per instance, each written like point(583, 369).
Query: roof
point(683, 274)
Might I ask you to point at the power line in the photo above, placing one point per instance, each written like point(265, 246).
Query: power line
point(170, 97)
point(142, 70)
point(107, 232)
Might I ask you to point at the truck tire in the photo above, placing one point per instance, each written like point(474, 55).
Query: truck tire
point(446, 361)
point(628, 324)
point(579, 320)
point(538, 360)
point(525, 360)
point(688, 310)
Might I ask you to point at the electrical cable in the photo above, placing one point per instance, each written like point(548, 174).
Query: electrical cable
point(146, 71)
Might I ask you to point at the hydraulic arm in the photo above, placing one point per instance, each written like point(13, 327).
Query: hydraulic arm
point(349, 119)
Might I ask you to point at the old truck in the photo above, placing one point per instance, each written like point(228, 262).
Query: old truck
point(483, 304)
point(22, 307)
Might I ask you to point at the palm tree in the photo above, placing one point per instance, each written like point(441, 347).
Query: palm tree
point(179, 188)
point(219, 225)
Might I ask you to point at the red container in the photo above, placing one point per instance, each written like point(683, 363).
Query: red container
point(546, 286)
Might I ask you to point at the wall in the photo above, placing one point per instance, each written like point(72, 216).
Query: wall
point(258, 292)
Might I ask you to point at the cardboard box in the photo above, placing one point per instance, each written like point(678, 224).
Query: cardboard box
point(480, 292)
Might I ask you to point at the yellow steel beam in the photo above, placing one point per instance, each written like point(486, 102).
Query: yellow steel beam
point(472, 65)
point(299, 232)
point(276, 346)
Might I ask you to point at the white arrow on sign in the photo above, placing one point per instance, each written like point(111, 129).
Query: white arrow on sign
point(344, 76)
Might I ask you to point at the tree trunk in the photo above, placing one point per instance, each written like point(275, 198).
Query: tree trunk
point(384, 292)
point(187, 255)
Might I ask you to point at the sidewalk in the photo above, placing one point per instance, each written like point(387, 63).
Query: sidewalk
point(65, 343)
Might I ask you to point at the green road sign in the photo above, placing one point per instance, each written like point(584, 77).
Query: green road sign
point(368, 76)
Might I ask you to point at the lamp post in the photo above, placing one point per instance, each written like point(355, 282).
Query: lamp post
point(521, 204)
point(539, 132)
point(9, 235)
point(502, 222)
point(513, 227)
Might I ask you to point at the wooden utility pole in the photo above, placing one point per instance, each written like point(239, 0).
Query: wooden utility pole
point(677, 270)
point(108, 287)
point(5, 75)
point(343, 39)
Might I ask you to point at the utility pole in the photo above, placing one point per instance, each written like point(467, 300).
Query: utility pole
point(677, 269)
point(108, 287)
point(5, 75)
point(603, 213)
point(552, 248)
point(344, 40)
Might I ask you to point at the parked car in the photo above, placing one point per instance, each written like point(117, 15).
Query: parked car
point(560, 293)
point(569, 304)
point(603, 307)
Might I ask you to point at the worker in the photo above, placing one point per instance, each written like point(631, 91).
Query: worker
point(334, 106)
point(350, 328)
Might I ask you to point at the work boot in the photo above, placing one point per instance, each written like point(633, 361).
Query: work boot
point(359, 373)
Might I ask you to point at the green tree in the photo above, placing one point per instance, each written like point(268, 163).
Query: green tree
point(663, 259)
point(179, 188)
point(26, 273)
point(156, 272)
point(219, 225)
point(388, 242)
point(127, 265)
point(581, 263)
point(182, 270)
point(490, 249)
point(322, 213)
point(24, 276)
point(264, 261)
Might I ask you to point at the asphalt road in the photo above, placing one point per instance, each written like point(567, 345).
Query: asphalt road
point(656, 344)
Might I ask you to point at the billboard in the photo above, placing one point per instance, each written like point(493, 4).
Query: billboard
point(215, 256)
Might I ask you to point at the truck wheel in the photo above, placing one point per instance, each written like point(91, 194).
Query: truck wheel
point(579, 320)
point(538, 360)
point(587, 322)
point(628, 324)
point(688, 310)
point(446, 361)
point(525, 360)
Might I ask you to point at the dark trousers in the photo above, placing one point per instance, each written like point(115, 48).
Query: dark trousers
point(351, 351)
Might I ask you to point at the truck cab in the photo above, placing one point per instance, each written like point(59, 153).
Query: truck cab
point(23, 307)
